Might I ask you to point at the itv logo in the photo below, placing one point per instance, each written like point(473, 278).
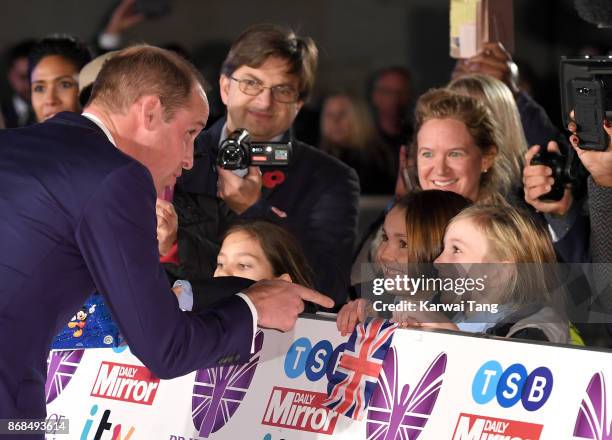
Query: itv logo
point(103, 426)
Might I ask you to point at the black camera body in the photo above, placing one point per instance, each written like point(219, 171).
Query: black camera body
point(237, 152)
point(586, 89)
point(565, 171)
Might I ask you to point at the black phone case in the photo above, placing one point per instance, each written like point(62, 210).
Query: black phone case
point(589, 113)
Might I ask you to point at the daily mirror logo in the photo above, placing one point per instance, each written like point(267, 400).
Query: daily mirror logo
point(129, 383)
point(592, 422)
point(301, 410)
point(61, 367)
point(474, 427)
point(401, 413)
point(218, 392)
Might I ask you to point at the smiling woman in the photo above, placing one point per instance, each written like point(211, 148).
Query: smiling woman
point(54, 66)
point(456, 147)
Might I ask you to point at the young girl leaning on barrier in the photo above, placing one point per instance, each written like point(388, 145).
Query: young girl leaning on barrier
point(516, 259)
point(260, 250)
point(412, 237)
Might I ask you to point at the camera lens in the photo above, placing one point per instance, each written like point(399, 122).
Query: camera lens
point(234, 151)
point(231, 157)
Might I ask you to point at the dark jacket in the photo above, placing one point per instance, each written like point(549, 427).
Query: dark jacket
point(537, 126)
point(318, 193)
point(600, 208)
point(78, 215)
point(202, 221)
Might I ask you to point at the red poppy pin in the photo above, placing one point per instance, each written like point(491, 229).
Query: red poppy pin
point(273, 178)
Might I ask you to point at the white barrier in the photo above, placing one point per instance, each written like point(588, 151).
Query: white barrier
point(433, 386)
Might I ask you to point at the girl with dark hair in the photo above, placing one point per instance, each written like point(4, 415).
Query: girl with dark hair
point(260, 250)
point(256, 250)
point(54, 65)
point(412, 237)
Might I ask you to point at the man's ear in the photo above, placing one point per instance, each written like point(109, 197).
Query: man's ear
point(224, 84)
point(285, 277)
point(150, 112)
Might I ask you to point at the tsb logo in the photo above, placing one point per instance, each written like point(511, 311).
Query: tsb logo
point(511, 385)
point(315, 361)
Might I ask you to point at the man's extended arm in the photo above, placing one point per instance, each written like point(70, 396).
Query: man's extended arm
point(116, 236)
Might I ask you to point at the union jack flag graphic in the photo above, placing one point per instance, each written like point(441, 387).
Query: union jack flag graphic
point(61, 366)
point(592, 422)
point(396, 411)
point(356, 374)
point(218, 392)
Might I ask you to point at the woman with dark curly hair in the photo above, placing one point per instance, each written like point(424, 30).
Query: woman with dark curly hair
point(54, 65)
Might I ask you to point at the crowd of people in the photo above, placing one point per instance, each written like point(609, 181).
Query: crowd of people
point(116, 159)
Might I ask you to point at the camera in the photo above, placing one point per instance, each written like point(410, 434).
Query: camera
point(586, 89)
point(237, 152)
point(566, 170)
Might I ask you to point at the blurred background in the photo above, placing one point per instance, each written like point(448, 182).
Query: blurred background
point(354, 37)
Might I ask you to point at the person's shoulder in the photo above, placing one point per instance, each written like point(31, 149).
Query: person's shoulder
point(84, 151)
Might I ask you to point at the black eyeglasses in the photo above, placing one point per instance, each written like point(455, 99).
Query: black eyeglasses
point(251, 87)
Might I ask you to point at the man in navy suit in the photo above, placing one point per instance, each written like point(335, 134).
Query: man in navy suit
point(265, 79)
point(77, 209)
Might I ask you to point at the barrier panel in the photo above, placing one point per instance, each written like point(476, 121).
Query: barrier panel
point(432, 385)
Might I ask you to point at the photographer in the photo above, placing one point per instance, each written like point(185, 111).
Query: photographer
point(265, 79)
point(567, 221)
point(599, 165)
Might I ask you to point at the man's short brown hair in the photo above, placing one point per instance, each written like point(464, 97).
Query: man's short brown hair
point(145, 70)
point(262, 41)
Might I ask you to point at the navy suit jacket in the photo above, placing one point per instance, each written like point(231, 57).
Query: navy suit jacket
point(77, 215)
point(319, 194)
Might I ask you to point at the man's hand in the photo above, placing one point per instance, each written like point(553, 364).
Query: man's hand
point(278, 303)
point(493, 60)
point(240, 193)
point(350, 314)
point(598, 163)
point(538, 180)
point(124, 17)
point(167, 226)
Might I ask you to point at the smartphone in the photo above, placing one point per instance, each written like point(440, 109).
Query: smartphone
point(588, 97)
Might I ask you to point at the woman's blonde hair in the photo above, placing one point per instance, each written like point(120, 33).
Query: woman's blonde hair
point(500, 101)
point(447, 104)
point(514, 237)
